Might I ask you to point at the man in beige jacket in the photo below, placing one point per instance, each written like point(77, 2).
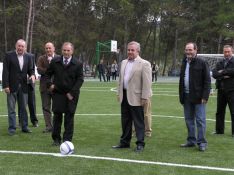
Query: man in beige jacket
point(134, 91)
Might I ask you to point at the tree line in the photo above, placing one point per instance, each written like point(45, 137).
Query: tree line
point(161, 26)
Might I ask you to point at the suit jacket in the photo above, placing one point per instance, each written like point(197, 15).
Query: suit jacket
point(12, 74)
point(42, 66)
point(67, 79)
point(139, 83)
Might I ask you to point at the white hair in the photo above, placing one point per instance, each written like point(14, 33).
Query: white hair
point(135, 43)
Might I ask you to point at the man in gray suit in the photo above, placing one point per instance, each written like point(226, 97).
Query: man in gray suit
point(134, 90)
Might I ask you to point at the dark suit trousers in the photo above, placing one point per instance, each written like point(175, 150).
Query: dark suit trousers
point(68, 126)
point(223, 99)
point(131, 114)
point(32, 104)
point(101, 75)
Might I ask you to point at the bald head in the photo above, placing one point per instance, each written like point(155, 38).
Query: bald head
point(67, 49)
point(20, 46)
point(49, 49)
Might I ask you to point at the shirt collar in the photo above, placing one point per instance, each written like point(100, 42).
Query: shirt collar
point(227, 58)
point(68, 59)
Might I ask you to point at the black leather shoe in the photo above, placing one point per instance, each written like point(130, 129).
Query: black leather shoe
point(27, 131)
point(35, 124)
point(186, 145)
point(56, 143)
point(11, 133)
point(139, 148)
point(120, 146)
point(202, 148)
point(217, 133)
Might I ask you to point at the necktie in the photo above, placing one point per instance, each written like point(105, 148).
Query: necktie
point(65, 61)
point(226, 62)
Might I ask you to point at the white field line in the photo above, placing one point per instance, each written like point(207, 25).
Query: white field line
point(96, 90)
point(122, 160)
point(153, 115)
point(91, 87)
point(107, 87)
point(165, 92)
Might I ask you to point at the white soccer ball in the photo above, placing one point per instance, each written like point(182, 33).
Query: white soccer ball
point(66, 148)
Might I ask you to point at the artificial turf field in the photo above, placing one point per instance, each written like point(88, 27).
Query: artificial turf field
point(97, 128)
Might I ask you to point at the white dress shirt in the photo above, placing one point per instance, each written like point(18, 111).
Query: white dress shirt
point(127, 72)
point(186, 77)
point(21, 60)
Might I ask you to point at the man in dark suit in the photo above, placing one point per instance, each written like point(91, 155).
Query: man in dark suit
point(68, 78)
point(17, 65)
point(134, 91)
point(46, 96)
point(224, 75)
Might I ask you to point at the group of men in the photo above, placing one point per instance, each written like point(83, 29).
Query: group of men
point(62, 77)
point(60, 82)
point(134, 90)
point(194, 90)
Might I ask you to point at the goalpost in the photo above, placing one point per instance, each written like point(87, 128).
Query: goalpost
point(211, 59)
point(108, 46)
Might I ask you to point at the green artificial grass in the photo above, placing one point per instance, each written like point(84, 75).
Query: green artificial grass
point(98, 127)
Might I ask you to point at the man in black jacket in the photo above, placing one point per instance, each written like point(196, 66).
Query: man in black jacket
point(67, 75)
point(224, 75)
point(194, 89)
point(17, 65)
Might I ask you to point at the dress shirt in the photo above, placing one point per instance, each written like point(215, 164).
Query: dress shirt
point(186, 77)
point(68, 60)
point(50, 58)
point(21, 60)
point(127, 72)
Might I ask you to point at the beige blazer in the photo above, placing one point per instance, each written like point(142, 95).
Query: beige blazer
point(139, 84)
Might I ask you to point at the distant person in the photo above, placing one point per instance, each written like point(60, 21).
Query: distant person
point(17, 65)
point(134, 91)
point(108, 72)
point(194, 89)
point(101, 70)
point(154, 72)
point(46, 96)
point(94, 71)
point(67, 73)
point(224, 75)
point(114, 69)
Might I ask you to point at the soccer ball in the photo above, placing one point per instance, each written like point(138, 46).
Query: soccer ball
point(66, 148)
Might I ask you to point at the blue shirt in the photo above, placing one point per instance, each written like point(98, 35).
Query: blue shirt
point(186, 77)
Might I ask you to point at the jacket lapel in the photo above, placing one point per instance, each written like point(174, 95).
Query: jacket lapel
point(16, 60)
point(25, 62)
